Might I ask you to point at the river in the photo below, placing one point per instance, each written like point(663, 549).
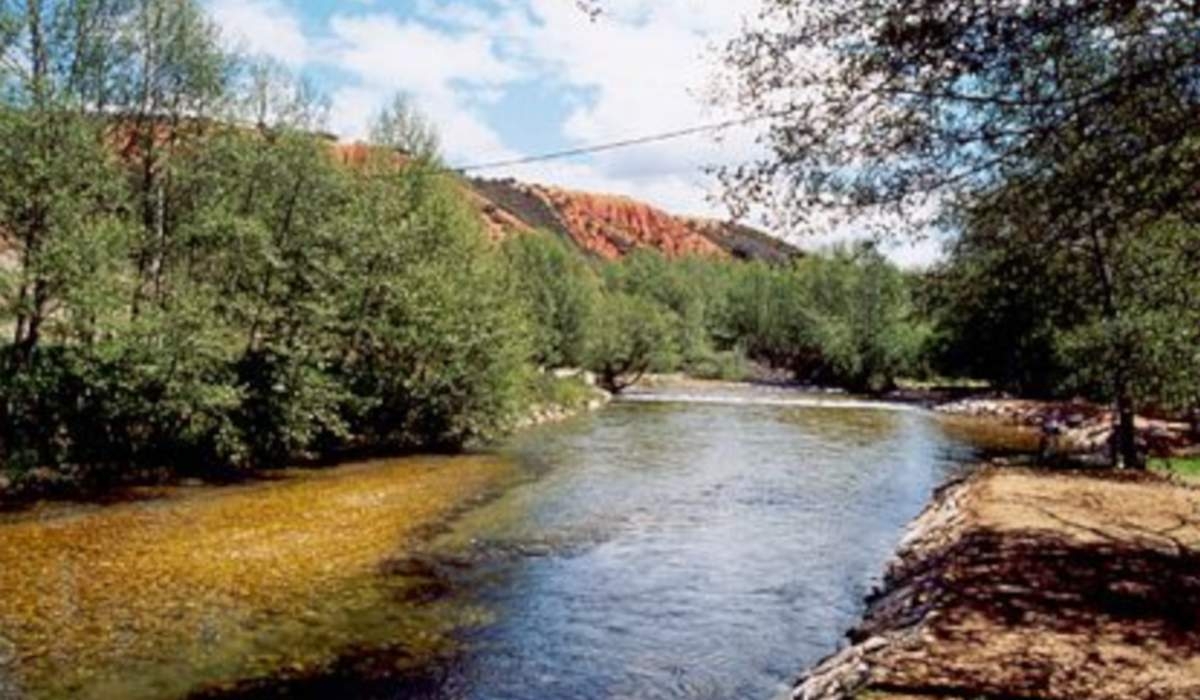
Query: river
point(667, 547)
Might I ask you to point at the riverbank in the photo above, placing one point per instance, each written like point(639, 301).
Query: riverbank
point(1038, 586)
point(554, 398)
point(1082, 430)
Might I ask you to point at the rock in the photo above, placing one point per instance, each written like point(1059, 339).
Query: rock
point(841, 676)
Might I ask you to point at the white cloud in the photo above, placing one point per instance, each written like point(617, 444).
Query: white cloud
point(643, 64)
point(448, 75)
point(262, 28)
point(638, 69)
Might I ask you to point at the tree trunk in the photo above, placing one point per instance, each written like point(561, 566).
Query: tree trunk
point(1125, 447)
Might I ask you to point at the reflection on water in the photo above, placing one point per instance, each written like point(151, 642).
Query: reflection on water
point(698, 550)
point(654, 550)
point(151, 599)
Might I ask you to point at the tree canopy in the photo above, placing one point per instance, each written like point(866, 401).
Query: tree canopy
point(1075, 121)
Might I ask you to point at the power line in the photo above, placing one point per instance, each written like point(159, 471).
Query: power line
point(614, 145)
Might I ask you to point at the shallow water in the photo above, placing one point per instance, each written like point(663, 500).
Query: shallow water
point(669, 547)
point(691, 550)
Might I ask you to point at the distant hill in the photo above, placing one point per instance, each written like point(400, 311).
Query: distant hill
point(611, 226)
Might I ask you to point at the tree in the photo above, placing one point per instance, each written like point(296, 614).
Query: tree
point(171, 80)
point(629, 337)
point(1087, 108)
point(999, 301)
point(193, 281)
point(433, 342)
point(559, 290)
point(862, 317)
point(401, 126)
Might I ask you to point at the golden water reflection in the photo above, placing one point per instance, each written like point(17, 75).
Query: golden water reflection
point(153, 599)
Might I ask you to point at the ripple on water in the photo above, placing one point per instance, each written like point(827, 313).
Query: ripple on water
point(665, 549)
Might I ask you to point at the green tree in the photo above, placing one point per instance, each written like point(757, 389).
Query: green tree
point(401, 126)
point(192, 280)
point(1084, 112)
point(433, 340)
point(171, 78)
point(559, 290)
point(863, 317)
point(631, 335)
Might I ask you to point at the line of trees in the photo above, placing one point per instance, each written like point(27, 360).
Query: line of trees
point(191, 276)
point(845, 318)
point(1060, 138)
point(191, 279)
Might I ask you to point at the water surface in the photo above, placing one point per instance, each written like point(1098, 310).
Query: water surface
point(691, 549)
point(672, 546)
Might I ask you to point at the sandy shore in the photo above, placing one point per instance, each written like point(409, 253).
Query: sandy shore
point(1026, 585)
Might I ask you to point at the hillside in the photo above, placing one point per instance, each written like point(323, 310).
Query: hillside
point(607, 226)
point(611, 226)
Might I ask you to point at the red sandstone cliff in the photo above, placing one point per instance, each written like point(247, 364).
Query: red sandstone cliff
point(610, 226)
point(607, 226)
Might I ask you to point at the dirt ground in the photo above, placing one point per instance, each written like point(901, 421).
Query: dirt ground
point(1020, 585)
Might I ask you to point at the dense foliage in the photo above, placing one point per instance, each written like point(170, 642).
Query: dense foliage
point(1069, 128)
point(846, 318)
point(191, 279)
point(1029, 317)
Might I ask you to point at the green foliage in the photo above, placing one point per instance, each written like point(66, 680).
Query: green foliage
point(570, 392)
point(694, 290)
point(726, 366)
point(631, 335)
point(1154, 340)
point(1066, 127)
point(1030, 317)
point(846, 318)
point(559, 291)
point(185, 292)
point(437, 342)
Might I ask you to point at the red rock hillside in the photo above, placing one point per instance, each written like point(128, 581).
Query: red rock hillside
point(606, 226)
point(610, 226)
point(603, 225)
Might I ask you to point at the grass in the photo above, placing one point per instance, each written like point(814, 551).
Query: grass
point(1185, 467)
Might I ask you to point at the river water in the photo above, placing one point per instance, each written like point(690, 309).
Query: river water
point(666, 547)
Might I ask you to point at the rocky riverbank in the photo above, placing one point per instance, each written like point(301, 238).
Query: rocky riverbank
point(1038, 586)
point(564, 394)
point(1080, 430)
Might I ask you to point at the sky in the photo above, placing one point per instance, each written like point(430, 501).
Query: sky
point(504, 79)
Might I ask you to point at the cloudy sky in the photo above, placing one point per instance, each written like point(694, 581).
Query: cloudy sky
point(504, 79)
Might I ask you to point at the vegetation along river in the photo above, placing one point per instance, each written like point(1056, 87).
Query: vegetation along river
point(666, 547)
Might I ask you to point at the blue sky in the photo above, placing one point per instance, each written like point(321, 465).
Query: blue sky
point(508, 78)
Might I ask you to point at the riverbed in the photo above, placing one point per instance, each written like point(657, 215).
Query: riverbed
point(671, 546)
